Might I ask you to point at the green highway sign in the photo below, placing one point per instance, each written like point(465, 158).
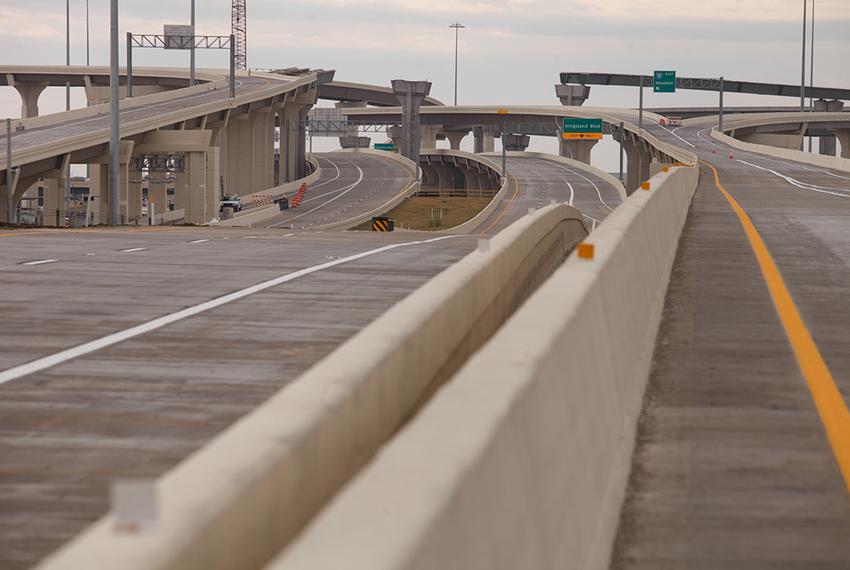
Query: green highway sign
point(385, 146)
point(664, 82)
point(576, 128)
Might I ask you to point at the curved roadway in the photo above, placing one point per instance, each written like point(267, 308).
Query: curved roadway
point(350, 185)
point(733, 467)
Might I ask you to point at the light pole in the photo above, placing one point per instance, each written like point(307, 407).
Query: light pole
point(457, 27)
point(803, 67)
point(114, 138)
point(88, 51)
point(192, 51)
point(812, 69)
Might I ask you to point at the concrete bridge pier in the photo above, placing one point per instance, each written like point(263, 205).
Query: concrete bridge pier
point(100, 181)
point(429, 135)
point(292, 117)
point(29, 93)
point(572, 95)
point(638, 160)
point(843, 137)
point(577, 149)
point(410, 95)
point(485, 140)
point(455, 139)
point(157, 194)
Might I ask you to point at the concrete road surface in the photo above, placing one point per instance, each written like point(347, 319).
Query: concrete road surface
point(350, 185)
point(734, 468)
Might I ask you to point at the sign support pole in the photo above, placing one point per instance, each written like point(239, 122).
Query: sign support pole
point(640, 111)
point(622, 142)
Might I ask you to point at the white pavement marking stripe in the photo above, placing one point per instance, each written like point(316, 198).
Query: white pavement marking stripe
point(345, 190)
point(115, 338)
point(199, 241)
point(40, 262)
point(133, 249)
point(799, 184)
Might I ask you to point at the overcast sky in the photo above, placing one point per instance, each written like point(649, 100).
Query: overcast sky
point(510, 52)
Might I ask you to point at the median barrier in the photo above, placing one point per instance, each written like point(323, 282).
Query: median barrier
point(522, 459)
point(237, 501)
point(834, 162)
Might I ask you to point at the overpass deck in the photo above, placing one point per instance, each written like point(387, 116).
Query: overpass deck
point(139, 406)
point(733, 467)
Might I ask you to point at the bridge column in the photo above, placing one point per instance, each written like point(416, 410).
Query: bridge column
point(53, 190)
point(572, 95)
point(293, 143)
point(637, 163)
point(134, 197)
point(429, 135)
point(485, 141)
point(827, 146)
point(262, 126)
point(195, 189)
point(577, 149)
point(843, 137)
point(394, 134)
point(29, 93)
point(410, 95)
point(455, 139)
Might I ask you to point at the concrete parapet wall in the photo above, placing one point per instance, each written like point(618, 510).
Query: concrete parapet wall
point(834, 162)
point(241, 498)
point(521, 460)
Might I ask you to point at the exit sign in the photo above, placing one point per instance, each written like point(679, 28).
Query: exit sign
point(664, 82)
point(576, 128)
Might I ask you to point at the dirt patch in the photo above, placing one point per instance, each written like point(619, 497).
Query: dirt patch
point(420, 213)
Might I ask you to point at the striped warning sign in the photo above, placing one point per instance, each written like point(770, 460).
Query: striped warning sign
point(382, 224)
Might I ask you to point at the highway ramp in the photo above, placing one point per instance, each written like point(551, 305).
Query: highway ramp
point(536, 181)
point(350, 186)
point(733, 467)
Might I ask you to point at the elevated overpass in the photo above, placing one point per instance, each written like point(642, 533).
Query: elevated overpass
point(226, 142)
point(741, 442)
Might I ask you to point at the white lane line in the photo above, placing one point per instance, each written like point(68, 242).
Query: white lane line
point(690, 144)
point(133, 249)
point(592, 183)
point(797, 183)
point(338, 173)
point(801, 166)
point(199, 241)
point(40, 262)
point(347, 189)
point(115, 338)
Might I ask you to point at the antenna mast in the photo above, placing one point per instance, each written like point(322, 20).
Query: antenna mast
point(239, 29)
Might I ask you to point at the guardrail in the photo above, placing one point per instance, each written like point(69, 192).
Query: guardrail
point(834, 162)
point(522, 459)
point(240, 499)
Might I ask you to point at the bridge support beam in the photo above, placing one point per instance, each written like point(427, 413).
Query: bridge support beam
point(157, 194)
point(638, 160)
point(29, 93)
point(791, 141)
point(577, 149)
point(429, 135)
point(827, 146)
point(455, 139)
point(843, 137)
point(485, 140)
point(292, 116)
point(572, 95)
point(410, 95)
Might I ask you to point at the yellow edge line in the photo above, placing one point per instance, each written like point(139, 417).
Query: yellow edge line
point(828, 399)
point(507, 206)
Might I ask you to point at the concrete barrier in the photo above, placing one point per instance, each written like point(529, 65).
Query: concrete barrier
point(240, 499)
point(834, 162)
point(521, 460)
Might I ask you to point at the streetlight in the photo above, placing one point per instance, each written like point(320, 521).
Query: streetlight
point(88, 51)
point(114, 136)
point(803, 67)
point(812, 69)
point(457, 27)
